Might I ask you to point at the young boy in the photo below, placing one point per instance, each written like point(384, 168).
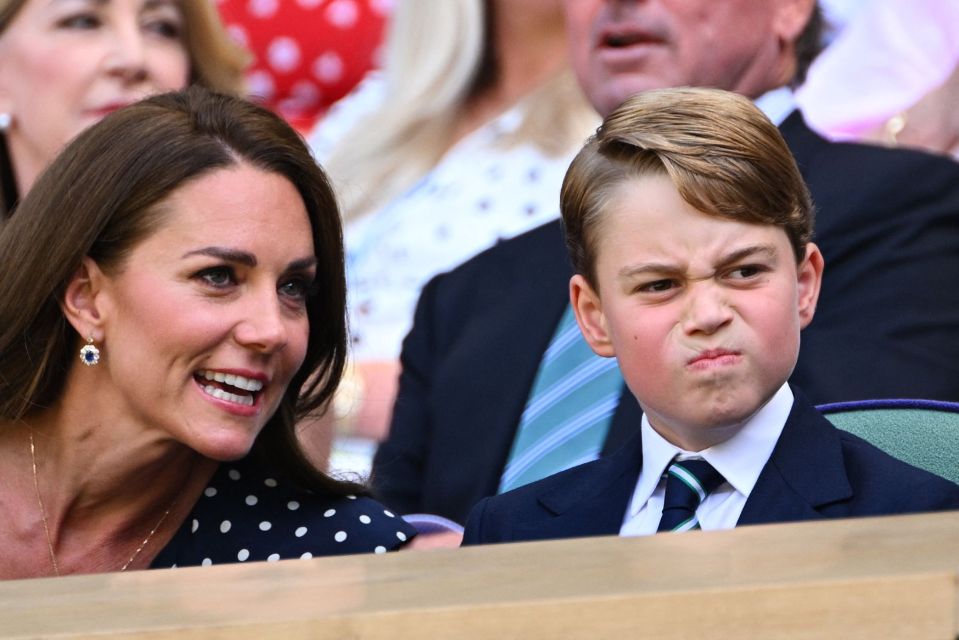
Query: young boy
point(688, 225)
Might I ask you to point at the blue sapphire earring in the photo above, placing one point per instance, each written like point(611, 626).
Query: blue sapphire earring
point(89, 354)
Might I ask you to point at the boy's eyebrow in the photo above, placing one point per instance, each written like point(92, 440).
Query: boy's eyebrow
point(765, 250)
point(660, 268)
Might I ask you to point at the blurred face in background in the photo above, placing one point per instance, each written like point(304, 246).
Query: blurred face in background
point(622, 47)
point(65, 64)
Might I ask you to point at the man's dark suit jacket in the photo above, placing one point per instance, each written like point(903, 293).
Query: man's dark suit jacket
point(816, 471)
point(887, 325)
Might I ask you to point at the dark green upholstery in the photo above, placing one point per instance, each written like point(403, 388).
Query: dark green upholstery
point(924, 433)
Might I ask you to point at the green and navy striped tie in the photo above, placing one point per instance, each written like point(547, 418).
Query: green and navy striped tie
point(688, 482)
point(568, 412)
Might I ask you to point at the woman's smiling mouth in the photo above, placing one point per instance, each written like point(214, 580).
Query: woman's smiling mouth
point(229, 387)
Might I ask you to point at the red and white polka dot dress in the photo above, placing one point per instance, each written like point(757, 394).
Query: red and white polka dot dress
point(308, 53)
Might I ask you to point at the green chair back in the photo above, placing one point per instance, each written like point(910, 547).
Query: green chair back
point(924, 433)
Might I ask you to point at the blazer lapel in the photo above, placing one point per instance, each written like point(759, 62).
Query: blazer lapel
point(804, 473)
point(625, 424)
point(593, 505)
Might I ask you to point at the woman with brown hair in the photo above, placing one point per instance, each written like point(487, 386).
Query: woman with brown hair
point(65, 65)
point(189, 249)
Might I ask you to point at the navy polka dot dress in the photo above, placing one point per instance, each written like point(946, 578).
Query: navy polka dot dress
point(247, 514)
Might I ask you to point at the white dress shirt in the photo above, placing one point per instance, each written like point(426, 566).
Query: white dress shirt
point(739, 459)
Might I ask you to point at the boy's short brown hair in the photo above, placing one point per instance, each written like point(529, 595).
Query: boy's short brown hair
point(720, 151)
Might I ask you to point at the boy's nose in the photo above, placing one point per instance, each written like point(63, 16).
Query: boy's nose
point(706, 310)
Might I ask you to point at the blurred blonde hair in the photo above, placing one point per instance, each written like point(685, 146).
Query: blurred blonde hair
point(435, 55)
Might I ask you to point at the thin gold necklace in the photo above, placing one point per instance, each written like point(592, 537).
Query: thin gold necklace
point(46, 525)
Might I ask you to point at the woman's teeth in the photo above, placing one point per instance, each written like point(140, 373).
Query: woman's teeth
point(247, 384)
point(226, 395)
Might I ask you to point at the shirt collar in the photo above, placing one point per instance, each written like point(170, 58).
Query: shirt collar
point(777, 104)
point(740, 459)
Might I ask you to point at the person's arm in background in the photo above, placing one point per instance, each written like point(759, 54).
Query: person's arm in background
point(399, 464)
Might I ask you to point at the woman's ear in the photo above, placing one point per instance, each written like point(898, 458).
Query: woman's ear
point(588, 308)
point(82, 299)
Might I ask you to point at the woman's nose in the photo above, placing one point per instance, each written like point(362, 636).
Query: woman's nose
point(127, 55)
point(264, 328)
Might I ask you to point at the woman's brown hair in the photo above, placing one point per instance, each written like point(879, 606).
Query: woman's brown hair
point(104, 194)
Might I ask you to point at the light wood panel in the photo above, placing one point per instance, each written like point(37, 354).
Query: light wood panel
point(870, 578)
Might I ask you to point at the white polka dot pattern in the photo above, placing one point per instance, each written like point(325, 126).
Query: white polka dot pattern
point(238, 519)
point(284, 54)
point(307, 53)
point(342, 13)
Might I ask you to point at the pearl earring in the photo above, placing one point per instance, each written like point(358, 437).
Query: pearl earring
point(89, 354)
point(5, 120)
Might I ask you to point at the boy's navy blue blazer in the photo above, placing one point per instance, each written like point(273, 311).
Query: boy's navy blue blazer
point(816, 471)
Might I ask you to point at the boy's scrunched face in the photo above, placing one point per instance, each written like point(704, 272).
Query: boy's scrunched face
point(703, 313)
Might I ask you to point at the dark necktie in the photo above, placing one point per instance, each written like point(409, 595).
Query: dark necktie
point(687, 484)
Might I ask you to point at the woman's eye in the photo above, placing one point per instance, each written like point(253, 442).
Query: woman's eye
point(80, 21)
point(218, 277)
point(297, 288)
point(168, 29)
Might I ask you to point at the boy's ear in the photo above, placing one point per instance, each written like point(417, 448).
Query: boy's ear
point(82, 300)
point(810, 280)
point(589, 316)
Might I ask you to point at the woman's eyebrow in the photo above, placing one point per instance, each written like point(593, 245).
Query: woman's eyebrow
point(302, 264)
point(224, 253)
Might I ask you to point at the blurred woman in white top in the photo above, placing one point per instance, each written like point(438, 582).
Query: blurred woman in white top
point(462, 140)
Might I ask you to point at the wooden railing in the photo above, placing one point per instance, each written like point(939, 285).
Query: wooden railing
point(870, 578)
